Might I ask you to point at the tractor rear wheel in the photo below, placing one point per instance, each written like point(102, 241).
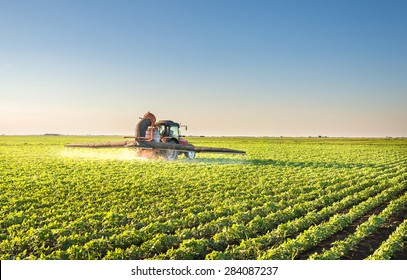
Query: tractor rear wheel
point(171, 154)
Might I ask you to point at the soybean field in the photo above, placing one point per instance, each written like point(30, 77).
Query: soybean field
point(287, 198)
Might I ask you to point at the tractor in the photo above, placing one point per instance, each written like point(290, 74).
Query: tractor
point(158, 139)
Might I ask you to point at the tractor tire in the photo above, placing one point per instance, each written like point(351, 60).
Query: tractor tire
point(190, 155)
point(171, 154)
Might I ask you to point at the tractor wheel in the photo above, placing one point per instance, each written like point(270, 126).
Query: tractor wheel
point(171, 154)
point(190, 154)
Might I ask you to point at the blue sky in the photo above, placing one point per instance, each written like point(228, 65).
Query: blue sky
point(292, 68)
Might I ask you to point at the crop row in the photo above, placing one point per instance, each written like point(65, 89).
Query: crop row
point(316, 234)
point(394, 244)
point(253, 248)
point(341, 247)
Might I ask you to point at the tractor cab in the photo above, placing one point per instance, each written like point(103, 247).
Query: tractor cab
point(168, 129)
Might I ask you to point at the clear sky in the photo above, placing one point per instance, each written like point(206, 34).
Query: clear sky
point(291, 68)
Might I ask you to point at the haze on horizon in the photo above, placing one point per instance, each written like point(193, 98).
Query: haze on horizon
point(246, 68)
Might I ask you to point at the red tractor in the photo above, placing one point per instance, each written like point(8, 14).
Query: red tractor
point(164, 131)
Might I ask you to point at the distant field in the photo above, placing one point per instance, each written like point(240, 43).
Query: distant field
point(288, 198)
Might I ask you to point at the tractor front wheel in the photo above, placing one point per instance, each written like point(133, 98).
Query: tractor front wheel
point(190, 154)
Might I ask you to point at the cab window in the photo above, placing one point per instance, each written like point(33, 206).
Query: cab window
point(174, 131)
point(163, 130)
